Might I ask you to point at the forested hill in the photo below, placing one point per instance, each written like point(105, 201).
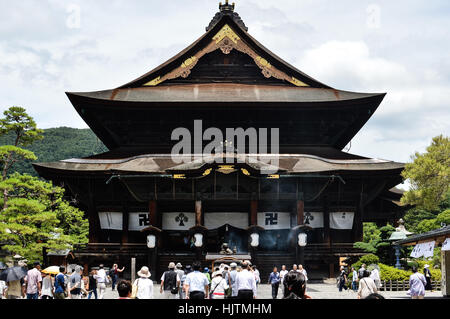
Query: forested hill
point(58, 144)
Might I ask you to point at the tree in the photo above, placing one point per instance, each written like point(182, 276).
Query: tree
point(25, 131)
point(34, 214)
point(429, 175)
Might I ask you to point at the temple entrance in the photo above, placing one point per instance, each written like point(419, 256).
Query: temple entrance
point(236, 238)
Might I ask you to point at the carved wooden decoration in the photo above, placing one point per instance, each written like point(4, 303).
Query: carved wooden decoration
point(226, 40)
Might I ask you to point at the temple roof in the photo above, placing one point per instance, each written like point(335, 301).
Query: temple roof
point(164, 163)
point(230, 92)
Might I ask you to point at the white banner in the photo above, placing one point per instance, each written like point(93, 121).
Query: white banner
point(428, 249)
point(313, 219)
point(217, 220)
point(111, 221)
point(417, 252)
point(178, 221)
point(446, 245)
point(138, 221)
point(274, 220)
point(342, 220)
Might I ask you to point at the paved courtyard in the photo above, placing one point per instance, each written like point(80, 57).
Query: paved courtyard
point(315, 290)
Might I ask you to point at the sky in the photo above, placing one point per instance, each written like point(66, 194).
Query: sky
point(402, 47)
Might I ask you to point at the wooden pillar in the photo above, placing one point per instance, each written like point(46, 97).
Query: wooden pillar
point(326, 223)
point(253, 212)
point(94, 222)
point(198, 213)
point(152, 209)
point(331, 265)
point(125, 221)
point(300, 211)
point(358, 224)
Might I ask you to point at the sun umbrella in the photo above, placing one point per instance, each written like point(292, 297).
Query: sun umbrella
point(52, 270)
point(13, 273)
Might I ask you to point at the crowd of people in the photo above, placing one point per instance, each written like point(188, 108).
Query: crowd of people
point(233, 281)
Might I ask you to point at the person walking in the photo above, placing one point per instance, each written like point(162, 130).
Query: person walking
point(144, 284)
point(354, 280)
point(367, 286)
point(283, 273)
point(233, 274)
point(427, 274)
point(47, 287)
point(3, 289)
point(114, 274)
point(180, 272)
point(246, 283)
point(294, 267)
point(417, 283)
point(257, 275)
point(218, 285)
point(274, 280)
point(361, 271)
point(208, 276)
point(75, 283)
point(92, 284)
point(375, 275)
point(187, 271)
point(102, 280)
point(303, 271)
point(60, 284)
point(196, 285)
point(33, 282)
point(170, 282)
point(342, 279)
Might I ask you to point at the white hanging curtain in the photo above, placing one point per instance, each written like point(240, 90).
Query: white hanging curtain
point(313, 219)
point(138, 221)
point(446, 245)
point(110, 220)
point(271, 221)
point(178, 221)
point(342, 220)
point(217, 220)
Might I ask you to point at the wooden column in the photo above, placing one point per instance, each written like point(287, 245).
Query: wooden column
point(198, 213)
point(93, 218)
point(152, 209)
point(125, 222)
point(300, 211)
point(253, 212)
point(358, 224)
point(326, 223)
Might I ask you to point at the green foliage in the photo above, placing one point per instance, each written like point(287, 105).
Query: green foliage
point(429, 175)
point(34, 214)
point(37, 216)
point(368, 260)
point(58, 144)
point(365, 246)
point(391, 273)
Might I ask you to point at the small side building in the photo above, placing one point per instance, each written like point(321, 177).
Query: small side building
point(440, 237)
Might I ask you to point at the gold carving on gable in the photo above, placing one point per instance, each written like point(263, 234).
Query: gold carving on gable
point(226, 32)
point(226, 40)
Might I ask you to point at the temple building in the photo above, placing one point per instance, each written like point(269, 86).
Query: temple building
point(143, 203)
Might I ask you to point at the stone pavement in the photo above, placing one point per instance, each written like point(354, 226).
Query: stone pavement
point(315, 290)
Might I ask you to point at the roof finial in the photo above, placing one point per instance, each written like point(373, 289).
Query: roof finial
point(226, 6)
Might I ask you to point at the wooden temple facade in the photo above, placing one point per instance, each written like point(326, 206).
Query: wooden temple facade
point(227, 79)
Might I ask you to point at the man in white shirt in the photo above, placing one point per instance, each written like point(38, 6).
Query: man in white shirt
point(303, 271)
point(283, 273)
point(196, 285)
point(102, 280)
point(246, 283)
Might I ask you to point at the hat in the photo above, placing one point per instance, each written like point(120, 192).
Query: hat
point(233, 265)
point(188, 267)
point(101, 266)
point(179, 265)
point(217, 273)
point(37, 263)
point(144, 272)
point(171, 265)
point(427, 266)
point(206, 269)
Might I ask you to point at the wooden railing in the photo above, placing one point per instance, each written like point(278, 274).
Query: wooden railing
point(403, 285)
